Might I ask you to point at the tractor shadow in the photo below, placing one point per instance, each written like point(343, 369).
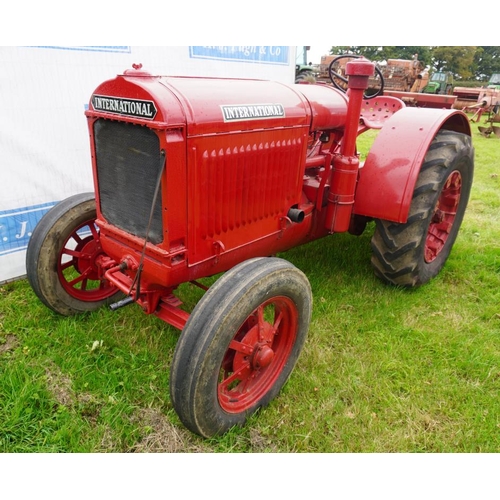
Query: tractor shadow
point(337, 259)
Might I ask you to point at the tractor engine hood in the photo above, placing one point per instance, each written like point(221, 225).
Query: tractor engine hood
point(206, 106)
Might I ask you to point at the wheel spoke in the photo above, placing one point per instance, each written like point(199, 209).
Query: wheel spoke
point(66, 265)
point(438, 230)
point(103, 284)
point(242, 374)
point(76, 237)
point(261, 322)
point(278, 321)
point(82, 278)
point(72, 253)
point(240, 347)
point(93, 230)
point(268, 328)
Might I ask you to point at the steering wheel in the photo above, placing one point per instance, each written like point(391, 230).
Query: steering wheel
point(336, 73)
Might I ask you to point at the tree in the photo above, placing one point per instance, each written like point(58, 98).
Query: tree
point(424, 53)
point(486, 62)
point(372, 53)
point(458, 60)
point(378, 54)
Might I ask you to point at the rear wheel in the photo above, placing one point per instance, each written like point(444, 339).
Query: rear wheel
point(240, 345)
point(305, 76)
point(412, 253)
point(62, 258)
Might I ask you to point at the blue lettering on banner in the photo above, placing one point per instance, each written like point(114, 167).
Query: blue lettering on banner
point(268, 54)
point(16, 226)
point(124, 49)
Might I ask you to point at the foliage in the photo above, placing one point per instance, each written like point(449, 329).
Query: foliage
point(487, 62)
point(458, 60)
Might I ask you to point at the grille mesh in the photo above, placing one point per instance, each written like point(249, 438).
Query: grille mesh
point(128, 163)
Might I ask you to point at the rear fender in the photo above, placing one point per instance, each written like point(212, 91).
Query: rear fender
point(388, 176)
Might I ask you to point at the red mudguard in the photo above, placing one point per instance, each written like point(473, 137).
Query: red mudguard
point(388, 176)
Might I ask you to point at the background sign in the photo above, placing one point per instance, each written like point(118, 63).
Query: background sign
point(44, 91)
point(249, 53)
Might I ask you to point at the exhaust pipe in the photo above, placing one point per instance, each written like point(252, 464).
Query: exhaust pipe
point(296, 215)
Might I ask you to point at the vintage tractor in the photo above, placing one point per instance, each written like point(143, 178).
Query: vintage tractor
point(440, 82)
point(305, 73)
point(404, 79)
point(200, 176)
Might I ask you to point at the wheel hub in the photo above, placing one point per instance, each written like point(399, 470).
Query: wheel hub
point(88, 253)
point(79, 266)
point(258, 354)
point(443, 217)
point(262, 357)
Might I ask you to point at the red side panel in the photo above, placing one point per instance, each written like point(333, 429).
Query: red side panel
point(240, 186)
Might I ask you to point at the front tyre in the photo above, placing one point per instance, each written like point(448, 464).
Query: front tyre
point(240, 345)
point(412, 253)
point(62, 258)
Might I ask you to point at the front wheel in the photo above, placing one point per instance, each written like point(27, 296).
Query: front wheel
point(240, 345)
point(412, 253)
point(62, 258)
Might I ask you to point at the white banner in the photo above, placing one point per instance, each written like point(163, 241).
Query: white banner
point(44, 91)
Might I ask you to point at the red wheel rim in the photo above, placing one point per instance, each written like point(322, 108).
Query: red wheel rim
point(257, 354)
point(443, 217)
point(77, 266)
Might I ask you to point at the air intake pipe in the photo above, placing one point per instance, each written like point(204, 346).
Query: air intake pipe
point(346, 163)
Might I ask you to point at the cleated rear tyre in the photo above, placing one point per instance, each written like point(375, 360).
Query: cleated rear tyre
point(412, 253)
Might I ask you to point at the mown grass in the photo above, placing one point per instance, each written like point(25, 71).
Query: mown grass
point(383, 370)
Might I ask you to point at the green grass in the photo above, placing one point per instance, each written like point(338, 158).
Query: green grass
point(383, 370)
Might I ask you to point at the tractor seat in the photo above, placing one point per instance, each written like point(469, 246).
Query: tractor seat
point(375, 112)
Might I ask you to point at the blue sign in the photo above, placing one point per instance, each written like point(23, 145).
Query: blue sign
point(16, 226)
point(268, 54)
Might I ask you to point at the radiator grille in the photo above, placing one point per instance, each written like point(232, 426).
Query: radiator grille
point(128, 163)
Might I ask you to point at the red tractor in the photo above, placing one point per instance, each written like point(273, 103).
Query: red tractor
point(199, 176)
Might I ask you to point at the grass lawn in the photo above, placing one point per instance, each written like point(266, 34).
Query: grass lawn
point(383, 369)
